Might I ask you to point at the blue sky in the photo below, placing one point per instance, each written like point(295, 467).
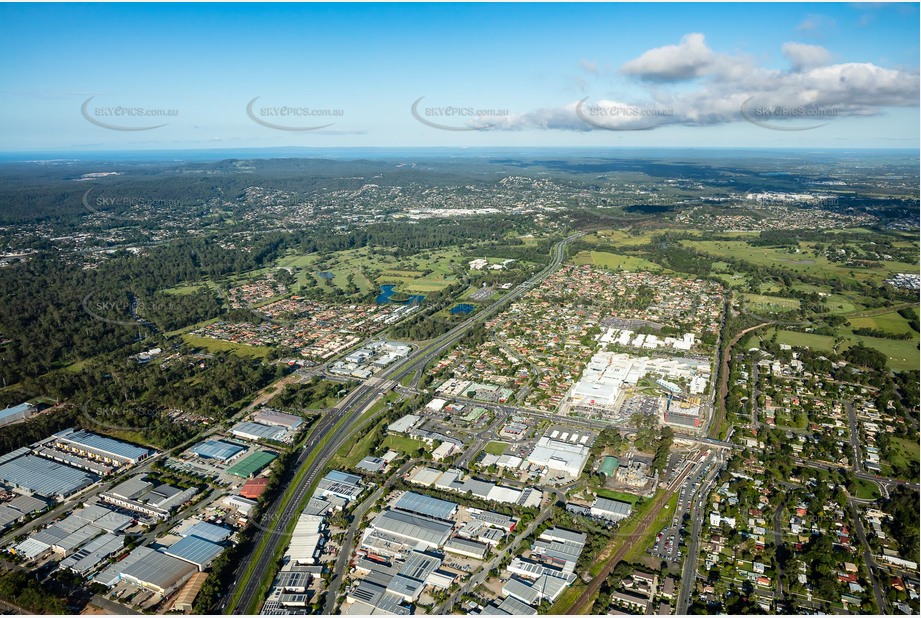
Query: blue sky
point(704, 75)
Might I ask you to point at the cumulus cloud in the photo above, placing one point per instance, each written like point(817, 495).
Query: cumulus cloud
point(687, 60)
point(803, 56)
point(730, 88)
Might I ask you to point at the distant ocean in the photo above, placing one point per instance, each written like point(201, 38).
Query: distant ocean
point(203, 155)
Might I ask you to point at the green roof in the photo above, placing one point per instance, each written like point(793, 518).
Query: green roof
point(609, 466)
point(252, 464)
point(474, 414)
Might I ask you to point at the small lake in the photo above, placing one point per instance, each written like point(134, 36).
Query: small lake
point(462, 308)
point(389, 290)
point(325, 275)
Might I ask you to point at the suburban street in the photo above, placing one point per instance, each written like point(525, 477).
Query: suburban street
point(273, 529)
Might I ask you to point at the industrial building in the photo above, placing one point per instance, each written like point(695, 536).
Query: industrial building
point(16, 413)
point(560, 548)
point(242, 505)
point(340, 484)
point(254, 488)
point(414, 530)
point(205, 530)
point(156, 571)
point(426, 505)
point(560, 455)
point(306, 540)
point(186, 597)
point(90, 556)
point(404, 423)
point(141, 496)
point(386, 587)
point(217, 449)
point(374, 465)
point(101, 448)
point(258, 431)
point(611, 510)
point(465, 547)
point(268, 416)
point(487, 490)
point(252, 464)
point(194, 550)
point(36, 475)
point(533, 592)
point(15, 510)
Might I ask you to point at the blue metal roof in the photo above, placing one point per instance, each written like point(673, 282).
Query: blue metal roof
point(209, 532)
point(103, 445)
point(193, 549)
point(45, 477)
point(217, 449)
point(425, 505)
point(23, 407)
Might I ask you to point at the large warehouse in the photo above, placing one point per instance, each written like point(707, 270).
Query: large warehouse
point(611, 510)
point(43, 477)
point(559, 455)
point(421, 532)
point(16, 413)
point(194, 550)
point(258, 431)
point(426, 505)
point(217, 449)
point(155, 571)
point(267, 416)
point(98, 447)
point(336, 483)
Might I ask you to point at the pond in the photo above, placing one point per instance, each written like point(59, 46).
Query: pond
point(388, 291)
point(462, 308)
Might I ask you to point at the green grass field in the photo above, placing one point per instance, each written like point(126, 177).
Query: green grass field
point(568, 597)
point(495, 448)
point(806, 261)
point(183, 290)
point(904, 451)
point(769, 304)
point(610, 494)
point(865, 490)
point(403, 444)
point(890, 322)
point(217, 345)
point(615, 261)
point(902, 354)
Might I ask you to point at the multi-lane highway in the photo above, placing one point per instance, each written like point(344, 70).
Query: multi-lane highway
point(338, 426)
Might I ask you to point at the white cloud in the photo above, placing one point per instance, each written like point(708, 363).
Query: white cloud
point(727, 88)
point(687, 60)
point(803, 56)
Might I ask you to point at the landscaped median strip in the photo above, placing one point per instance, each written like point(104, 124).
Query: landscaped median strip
point(267, 579)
